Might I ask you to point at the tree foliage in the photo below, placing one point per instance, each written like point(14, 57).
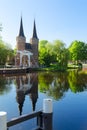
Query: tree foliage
point(6, 53)
point(53, 53)
point(78, 51)
point(45, 56)
point(61, 53)
point(42, 44)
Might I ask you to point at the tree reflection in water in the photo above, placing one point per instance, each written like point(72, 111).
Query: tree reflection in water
point(5, 83)
point(54, 84)
point(77, 81)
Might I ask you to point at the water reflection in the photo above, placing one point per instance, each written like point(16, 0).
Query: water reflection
point(5, 83)
point(53, 84)
point(27, 85)
point(56, 84)
point(77, 81)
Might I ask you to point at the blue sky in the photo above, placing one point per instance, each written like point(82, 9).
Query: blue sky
point(65, 20)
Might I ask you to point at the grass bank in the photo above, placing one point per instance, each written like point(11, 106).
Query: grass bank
point(58, 68)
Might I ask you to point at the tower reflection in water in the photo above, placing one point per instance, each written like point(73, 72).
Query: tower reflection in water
point(27, 84)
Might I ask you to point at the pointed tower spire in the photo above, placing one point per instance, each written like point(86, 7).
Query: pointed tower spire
point(21, 31)
point(34, 31)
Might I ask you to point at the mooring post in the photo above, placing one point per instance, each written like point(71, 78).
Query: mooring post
point(40, 121)
point(47, 114)
point(3, 120)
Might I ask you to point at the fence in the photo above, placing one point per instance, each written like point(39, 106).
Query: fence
point(44, 118)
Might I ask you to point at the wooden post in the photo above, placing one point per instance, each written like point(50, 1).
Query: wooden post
point(40, 121)
point(47, 114)
point(3, 120)
point(44, 119)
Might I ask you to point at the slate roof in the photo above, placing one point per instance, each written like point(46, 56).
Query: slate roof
point(34, 31)
point(28, 46)
point(21, 31)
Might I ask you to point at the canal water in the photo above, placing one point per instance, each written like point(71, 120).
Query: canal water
point(23, 94)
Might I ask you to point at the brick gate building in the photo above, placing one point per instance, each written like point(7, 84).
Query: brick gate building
point(27, 53)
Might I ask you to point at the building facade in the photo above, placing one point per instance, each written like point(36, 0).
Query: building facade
point(27, 53)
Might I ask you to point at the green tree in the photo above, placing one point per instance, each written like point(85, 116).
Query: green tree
point(53, 53)
point(42, 44)
point(61, 54)
point(78, 51)
point(5, 53)
point(45, 56)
